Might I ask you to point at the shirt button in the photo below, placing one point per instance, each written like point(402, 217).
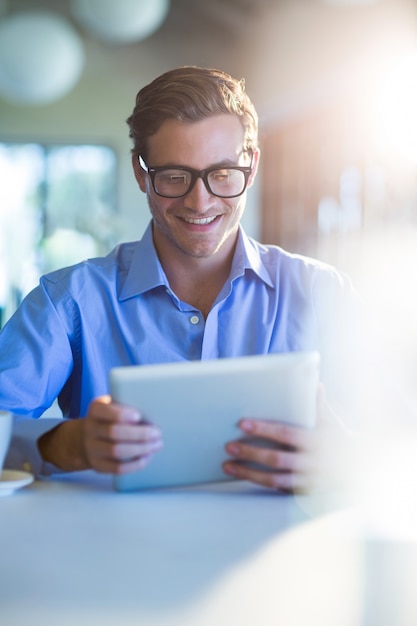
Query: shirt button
point(27, 466)
point(194, 319)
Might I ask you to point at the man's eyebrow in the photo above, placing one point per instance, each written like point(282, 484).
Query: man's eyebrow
point(217, 165)
point(225, 162)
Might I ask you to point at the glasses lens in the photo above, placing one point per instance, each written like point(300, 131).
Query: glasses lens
point(227, 182)
point(172, 183)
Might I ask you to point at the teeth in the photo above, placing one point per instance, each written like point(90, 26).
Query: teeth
point(201, 220)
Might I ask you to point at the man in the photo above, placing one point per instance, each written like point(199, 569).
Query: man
point(195, 287)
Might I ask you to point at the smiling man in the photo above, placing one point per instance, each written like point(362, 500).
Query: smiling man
point(195, 231)
point(195, 287)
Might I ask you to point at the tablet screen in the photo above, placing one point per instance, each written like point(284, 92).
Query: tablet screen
point(197, 405)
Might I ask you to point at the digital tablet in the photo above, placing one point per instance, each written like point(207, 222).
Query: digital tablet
point(197, 405)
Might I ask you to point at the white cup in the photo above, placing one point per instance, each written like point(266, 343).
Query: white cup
point(6, 421)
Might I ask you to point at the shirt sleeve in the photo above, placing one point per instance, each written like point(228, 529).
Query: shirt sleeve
point(33, 371)
point(344, 352)
point(23, 452)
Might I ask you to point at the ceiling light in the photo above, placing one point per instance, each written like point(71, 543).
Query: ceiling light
point(41, 57)
point(120, 21)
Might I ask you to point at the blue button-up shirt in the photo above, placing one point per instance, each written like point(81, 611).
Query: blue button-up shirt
point(119, 310)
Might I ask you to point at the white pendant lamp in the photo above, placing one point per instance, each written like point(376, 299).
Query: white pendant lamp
point(349, 3)
point(120, 21)
point(41, 57)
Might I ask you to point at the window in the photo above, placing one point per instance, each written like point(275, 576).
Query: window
point(57, 207)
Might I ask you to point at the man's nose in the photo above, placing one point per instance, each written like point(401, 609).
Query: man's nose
point(199, 197)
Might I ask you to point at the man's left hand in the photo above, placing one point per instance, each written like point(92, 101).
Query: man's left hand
point(289, 458)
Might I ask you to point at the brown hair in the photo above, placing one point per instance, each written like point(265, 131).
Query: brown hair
point(190, 94)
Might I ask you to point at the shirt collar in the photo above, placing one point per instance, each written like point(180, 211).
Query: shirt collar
point(247, 257)
point(139, 280)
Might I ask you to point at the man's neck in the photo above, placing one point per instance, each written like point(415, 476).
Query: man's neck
point(196, 280)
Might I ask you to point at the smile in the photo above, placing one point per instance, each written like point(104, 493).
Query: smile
point(200, 221)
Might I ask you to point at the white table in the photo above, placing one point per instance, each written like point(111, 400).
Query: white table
point(75, 553)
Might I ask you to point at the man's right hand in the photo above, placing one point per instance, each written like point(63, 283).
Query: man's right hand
point(112, 438)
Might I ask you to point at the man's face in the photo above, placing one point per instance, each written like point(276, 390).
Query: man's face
point(197, 224)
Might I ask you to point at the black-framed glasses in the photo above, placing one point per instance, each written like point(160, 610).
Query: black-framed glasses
point(175, 182)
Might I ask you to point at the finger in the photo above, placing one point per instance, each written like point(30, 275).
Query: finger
point(271, 458)
point(121, 458)
point(296, 438)
point(111, 421)
point(105, 410)
point(122, 452)
point(282, 481)
point(113, 436)
point(114, 431)
point(111, 466)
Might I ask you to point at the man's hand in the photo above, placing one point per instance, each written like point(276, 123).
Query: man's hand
point(288, 458)
point(116, 440)
point(112, 438)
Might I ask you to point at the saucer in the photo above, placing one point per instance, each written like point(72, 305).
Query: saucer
point(10, 480)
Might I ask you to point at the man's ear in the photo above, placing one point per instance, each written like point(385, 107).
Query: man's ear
point(255, 162)
point(139, 172)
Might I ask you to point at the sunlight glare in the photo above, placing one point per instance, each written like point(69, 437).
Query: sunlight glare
point(396, 127)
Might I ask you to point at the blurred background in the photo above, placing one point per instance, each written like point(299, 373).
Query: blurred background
point(335, 85)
